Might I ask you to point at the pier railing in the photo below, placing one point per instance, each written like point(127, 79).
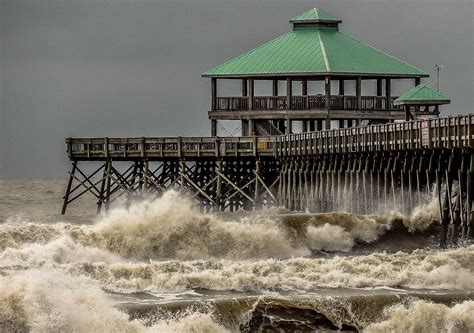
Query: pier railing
point(434, 133)
point(450, 132)
point(168, 147)
point(305, 102)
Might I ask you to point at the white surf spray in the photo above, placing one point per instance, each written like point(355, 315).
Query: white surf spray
point(171, 228)
point(426, 317)
point(450, 269)
point(53, 301)
point(54, 274)
point(423, 216)
point(329, 237)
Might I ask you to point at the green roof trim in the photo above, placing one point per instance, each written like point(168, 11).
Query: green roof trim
point(314, 51)
point(422, 94)
point(315, 15)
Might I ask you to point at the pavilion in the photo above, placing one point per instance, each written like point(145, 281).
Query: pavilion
point(313, 52)
point(421, 98)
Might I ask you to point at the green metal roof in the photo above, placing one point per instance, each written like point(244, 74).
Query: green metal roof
point(422, 94)
point(314, 50)
point(315, 15)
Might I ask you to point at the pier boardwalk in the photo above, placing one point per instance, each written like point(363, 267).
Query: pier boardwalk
point(360, 170)
point(370, 163)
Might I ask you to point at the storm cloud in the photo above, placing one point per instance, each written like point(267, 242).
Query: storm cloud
point(133, 68)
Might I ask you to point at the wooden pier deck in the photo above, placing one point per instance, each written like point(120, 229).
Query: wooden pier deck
point(361, 170)
point(436, 133)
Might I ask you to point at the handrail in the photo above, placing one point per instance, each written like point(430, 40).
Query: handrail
point(305, 102)
point(232, 103)
point(433, 133)
point(269, 103)
point(169, 147)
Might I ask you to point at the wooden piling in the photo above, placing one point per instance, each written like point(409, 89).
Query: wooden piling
point(107, 185)
point(68, 188)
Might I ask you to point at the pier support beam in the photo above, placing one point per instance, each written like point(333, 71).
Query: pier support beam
point(319, 125)
point(327, 101)
point(289, 126)
point(359, 93)
point(341, 87)
point(219, 187)
point(388, 93)
point(258, 171)
point(213, 127)
point(68, 189)
point(304, 126)
point(470, 198)
point(251, 93)
point(289, 93)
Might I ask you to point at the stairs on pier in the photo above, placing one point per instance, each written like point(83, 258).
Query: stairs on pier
point(266, 128)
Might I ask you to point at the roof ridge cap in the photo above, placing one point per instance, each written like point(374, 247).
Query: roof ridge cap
point(315, 10)
point(323, 51)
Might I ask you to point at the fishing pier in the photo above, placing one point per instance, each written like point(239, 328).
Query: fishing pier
point(362, 169)
point(362, 153)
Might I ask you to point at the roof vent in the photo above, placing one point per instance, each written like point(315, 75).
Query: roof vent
point(315, 18)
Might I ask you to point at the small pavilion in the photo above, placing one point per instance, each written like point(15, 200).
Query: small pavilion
point(315, 52)
point(421, 98)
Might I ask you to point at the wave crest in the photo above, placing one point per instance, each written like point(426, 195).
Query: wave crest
point(426, 317)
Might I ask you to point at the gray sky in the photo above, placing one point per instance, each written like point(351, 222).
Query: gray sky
point(133, 68)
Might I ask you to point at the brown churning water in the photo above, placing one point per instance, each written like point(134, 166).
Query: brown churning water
point(163, 266)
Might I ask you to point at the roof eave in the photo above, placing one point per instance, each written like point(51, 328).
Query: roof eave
point(423, 102)
point(316, 21)
point(384, 75)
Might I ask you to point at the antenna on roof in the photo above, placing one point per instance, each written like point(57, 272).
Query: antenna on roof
point(438, 67)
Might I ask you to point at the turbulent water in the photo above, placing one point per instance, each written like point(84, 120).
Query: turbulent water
point(163, 266)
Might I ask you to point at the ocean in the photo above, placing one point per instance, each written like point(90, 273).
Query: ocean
point(161, 265)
